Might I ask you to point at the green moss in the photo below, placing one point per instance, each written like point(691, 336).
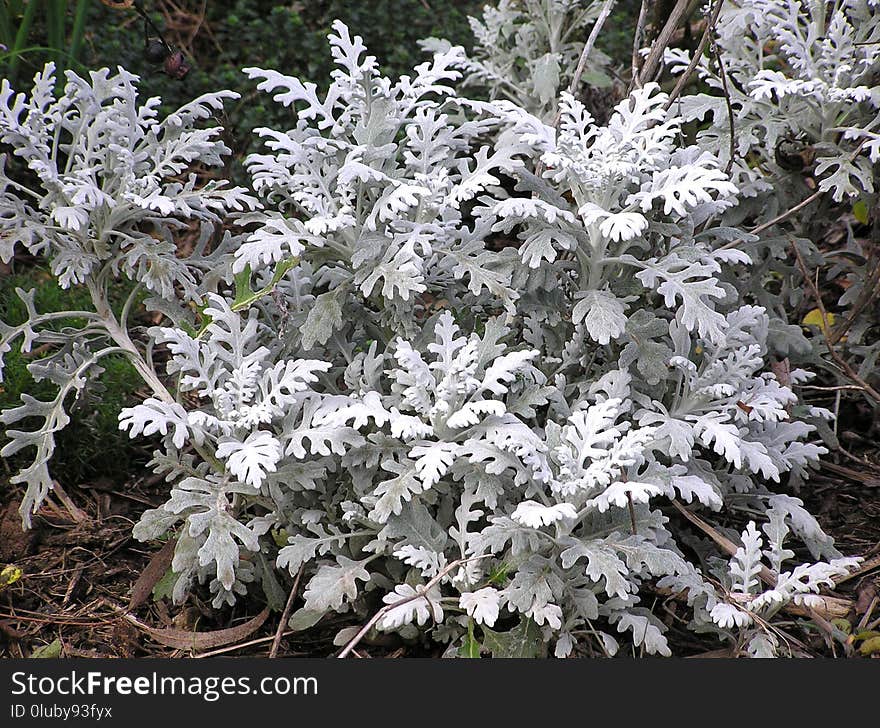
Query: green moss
point(91, 446)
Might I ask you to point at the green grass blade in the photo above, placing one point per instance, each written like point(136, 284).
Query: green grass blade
point(55, 31)
point(21, 36)
point(79, 25)
point(71, 61)
point(6, 24)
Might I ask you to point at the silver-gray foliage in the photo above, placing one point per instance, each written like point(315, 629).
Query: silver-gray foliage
point(422, 353)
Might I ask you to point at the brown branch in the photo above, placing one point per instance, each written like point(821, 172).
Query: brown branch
point(588, 48)
point(832, 607)
point(779, 218)
point(722, 72)
point(637, 42)
point(652, 62)
point(788, 213)
point(869, 292)
point(695, 59)
point(285, 615)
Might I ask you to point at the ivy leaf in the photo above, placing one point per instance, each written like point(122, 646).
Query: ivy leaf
point(523, 641)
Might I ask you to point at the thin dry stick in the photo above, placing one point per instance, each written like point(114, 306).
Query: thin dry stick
point(637, 43)
point(698, 53)
point(421, 594)
point(240, 645)
point(652, 62)
point(779, 218)
point(722, 72)
point(867, 615)
point(588, 48)
point(866, 566)
point(869, 292)
point(285, 615)
point(833, 606)
point(841, 362)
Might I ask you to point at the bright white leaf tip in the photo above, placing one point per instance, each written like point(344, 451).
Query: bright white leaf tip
point(251, 460)
point(483, 605)
point(534, 515)
point(728, 616)
point(419, 609)
point(619, 494)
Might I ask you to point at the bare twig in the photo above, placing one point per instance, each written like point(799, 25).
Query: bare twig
point(652, 62)
point(582, 64)
point(788, 213)
point(240, 645)
point(841, 362)
point(697, 54)
point(779, 218)
point(831, 606)
point(588, 48)
point(285, 615)
point(420, 594)
point(869, 292)
point(76, 513)
point(722, 73)
point(868, 612)
point(864, 568)
point(637, 43)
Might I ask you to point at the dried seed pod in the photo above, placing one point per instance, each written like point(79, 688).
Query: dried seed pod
point(176, 65)
point(155, 51)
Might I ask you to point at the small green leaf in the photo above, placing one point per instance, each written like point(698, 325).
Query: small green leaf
point(860, 212)
point(245, 296)
point(243, 290)
point(304, 618)
point(48, 652)
point(165, 586)
point(499, 575)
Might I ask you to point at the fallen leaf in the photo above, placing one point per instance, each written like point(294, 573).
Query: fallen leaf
point(182, 639)
point(9, 575)
point(814, 318)
point(151, 575)
point(48, 652)
point(866, 594)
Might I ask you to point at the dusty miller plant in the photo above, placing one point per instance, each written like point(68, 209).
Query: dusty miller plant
point(480, 437)
point(100, 186)
point(526, 51)
point(801, 82)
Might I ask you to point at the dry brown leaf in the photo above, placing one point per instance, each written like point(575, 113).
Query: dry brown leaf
point(150, 576)
point(181, 639)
